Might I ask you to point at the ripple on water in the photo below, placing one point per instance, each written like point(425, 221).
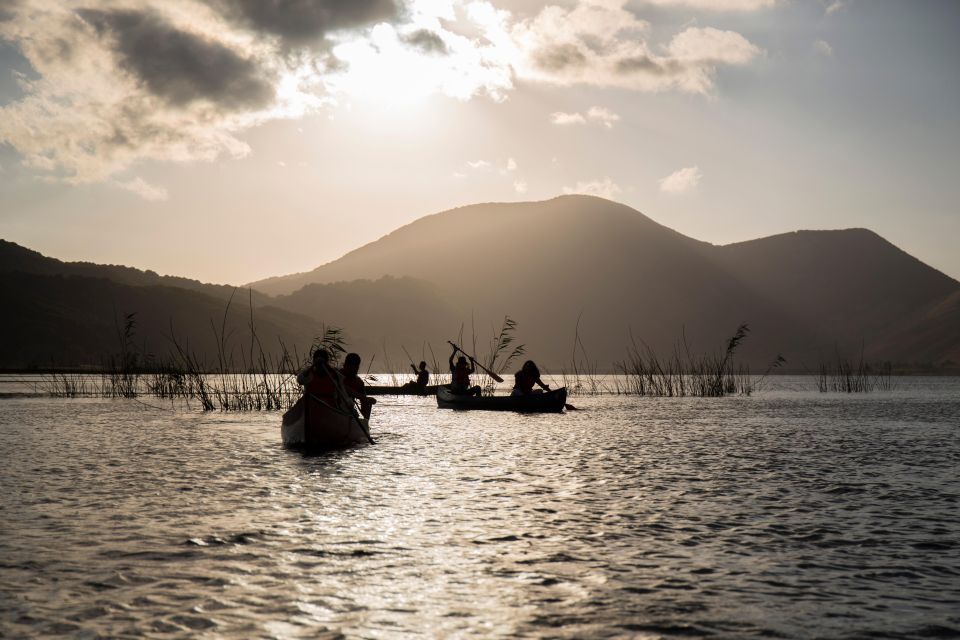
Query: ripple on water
point(786, 514)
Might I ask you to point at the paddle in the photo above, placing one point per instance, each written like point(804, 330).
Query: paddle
point(335, 377)
point(406, 353)
point(474, 361)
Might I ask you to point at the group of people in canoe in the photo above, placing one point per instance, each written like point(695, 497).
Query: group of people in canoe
point(345, 384)
point(336, 386)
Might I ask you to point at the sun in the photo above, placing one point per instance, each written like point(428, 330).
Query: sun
point(384, 73)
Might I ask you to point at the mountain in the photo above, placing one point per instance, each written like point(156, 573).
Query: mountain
point(14, 258)
point(61, 314)
point(546, 264)
point(391, 312)
point(571, 267)
point(851, 285)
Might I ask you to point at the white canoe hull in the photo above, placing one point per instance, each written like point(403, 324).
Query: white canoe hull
point(321, 426)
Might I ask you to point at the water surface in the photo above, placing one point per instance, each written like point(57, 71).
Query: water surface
point(785, 514)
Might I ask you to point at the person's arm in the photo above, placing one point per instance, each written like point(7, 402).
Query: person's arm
point(545, 387)
point(415, 372)
point(451, 359)
point(304, 376)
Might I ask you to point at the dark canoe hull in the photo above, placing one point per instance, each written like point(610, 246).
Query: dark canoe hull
point(319, 426)
point(547, 402)
point(405, 390)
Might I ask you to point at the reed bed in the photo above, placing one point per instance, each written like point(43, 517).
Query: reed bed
point(846, 376)
point(682, 373)
point(244, 376)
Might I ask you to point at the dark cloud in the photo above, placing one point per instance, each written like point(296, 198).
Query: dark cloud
point(427, 41)
point(178, 66)
point(643, 64)
point(304, 22)
point(8, 9)
point(560, 57)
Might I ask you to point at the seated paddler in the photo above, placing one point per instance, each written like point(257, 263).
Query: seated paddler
point(316, 378)
point(526, 378)
point(423, 378)
point(354, 385)
point(460, 377)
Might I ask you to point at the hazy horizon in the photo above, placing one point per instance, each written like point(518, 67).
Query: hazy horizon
point(296, 143)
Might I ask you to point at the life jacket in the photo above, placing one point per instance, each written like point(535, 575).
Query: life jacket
point(524, 381)
point(461, 375)
point(321, 385)
point(354, 386)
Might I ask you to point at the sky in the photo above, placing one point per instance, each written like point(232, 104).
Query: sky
point(232, 140)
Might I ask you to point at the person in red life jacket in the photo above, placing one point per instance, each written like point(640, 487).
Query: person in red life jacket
point(460, 377)
point(353, 384)
point(524, 380)
point(316, 378)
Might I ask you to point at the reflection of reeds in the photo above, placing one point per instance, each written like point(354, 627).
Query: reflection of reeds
point(845, 376)
point(681, 374)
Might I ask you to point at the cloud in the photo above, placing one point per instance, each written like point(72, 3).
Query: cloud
point(170, 81)
point(605, 188)
point(427, 41)
point(520, 185)
point(119, 83)
point(603, 116)
point(716, 5)
point(564, 119)
point(833, 6)
point(306, 22)
point(503, 167)
point(178, 66)
point(143, 189)
point(823, 48)
point(598, 115)
point(681, 180)
point(600, 43)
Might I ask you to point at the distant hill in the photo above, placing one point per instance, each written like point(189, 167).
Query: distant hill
point(570, 265)
point(804, 294)
point(14, 258)
point(67, 321)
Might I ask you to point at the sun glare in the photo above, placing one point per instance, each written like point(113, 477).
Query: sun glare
point(384, 73)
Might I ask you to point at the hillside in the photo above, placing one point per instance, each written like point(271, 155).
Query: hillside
point(548, 265)
point(14, 258)
point(804, 294)
point(65, 321)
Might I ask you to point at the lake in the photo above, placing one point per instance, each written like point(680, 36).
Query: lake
point(789, 513)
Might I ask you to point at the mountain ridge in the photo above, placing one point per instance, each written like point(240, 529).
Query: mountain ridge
point(602, 270)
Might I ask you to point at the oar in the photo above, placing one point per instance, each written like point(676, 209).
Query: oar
point(407, 353)
point(474, 360)
point(335, 378)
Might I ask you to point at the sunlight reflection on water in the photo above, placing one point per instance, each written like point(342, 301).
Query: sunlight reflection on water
point(788, 513)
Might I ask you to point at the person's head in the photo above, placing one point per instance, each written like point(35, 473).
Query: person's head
point(320, 357)
point(530, 367)
point(351, 364)
point(461, 361)
point(423, 365)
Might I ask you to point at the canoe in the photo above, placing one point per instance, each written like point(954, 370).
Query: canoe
point(547, 402)
point(405, 390)
point(315, 424)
